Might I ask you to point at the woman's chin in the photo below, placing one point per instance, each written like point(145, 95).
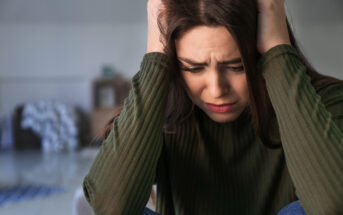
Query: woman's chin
point(223, 117)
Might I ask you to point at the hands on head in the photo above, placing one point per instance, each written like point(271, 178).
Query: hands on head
point(154, 42)
point(272, 26)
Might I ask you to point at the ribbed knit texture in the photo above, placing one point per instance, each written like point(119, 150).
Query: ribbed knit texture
point(223, 168)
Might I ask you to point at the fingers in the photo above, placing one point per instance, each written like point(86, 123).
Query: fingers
point(272, 25)
point(270, 5)
point(154, 7)
point(154, 43)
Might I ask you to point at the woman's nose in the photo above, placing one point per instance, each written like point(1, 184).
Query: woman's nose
point(217, 85)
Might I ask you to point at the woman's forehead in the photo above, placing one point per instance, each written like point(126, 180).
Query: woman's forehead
point(206, 44)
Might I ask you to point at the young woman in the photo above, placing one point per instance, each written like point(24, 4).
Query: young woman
point(225, 116)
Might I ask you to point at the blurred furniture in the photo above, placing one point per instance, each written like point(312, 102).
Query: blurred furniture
point(23, 138)
point(108, 97)
point(26, 139)
point(109, 93)
point(99, 119)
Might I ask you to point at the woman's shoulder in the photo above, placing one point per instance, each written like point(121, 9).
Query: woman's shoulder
point(330, 90)
point(326, 84)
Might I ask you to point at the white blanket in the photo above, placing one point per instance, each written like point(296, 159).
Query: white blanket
point(54, 122)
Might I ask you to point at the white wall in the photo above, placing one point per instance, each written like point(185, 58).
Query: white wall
point(59, 61)
point(72, 11)
point(322, 45)
point(318, 26)
point(52, 49)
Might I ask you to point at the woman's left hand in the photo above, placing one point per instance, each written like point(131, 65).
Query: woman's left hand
point(272, 26)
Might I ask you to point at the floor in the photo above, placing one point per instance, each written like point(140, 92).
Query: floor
point(32, 167)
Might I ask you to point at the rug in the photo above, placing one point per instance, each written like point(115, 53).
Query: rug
point(21, 193)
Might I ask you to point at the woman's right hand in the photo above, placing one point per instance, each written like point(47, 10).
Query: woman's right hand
point(272, 25)
point(154, 43)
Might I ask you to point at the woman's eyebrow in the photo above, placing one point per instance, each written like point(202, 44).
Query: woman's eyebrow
point(233, 61)
point(193, 63)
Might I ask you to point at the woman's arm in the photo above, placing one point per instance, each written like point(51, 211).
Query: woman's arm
point(311, 126)
point(120, 179)
point(311, 131)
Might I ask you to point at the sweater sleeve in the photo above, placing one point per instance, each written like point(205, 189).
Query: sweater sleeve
point(311, 131)
point(121, 176)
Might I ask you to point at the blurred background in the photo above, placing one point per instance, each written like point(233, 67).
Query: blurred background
point(65, 66)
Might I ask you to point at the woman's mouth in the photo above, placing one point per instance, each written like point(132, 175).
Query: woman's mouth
point(221, 108)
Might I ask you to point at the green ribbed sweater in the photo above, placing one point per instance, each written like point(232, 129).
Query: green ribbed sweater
point(212, 168)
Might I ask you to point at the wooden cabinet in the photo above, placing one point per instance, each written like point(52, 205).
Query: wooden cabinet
point(110, 93)
point(108, 97)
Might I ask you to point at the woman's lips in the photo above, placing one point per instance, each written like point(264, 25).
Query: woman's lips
point(222, 108)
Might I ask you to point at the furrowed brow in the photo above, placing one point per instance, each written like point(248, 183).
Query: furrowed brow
point(193, 63)
point(233, 61)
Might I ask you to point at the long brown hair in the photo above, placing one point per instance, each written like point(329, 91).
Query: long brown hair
point(240, 19)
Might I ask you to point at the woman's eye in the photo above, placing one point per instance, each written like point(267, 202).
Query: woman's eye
point(236, 69)
point(196, 69)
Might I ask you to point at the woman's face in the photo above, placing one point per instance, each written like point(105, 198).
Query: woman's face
point(213, 71)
